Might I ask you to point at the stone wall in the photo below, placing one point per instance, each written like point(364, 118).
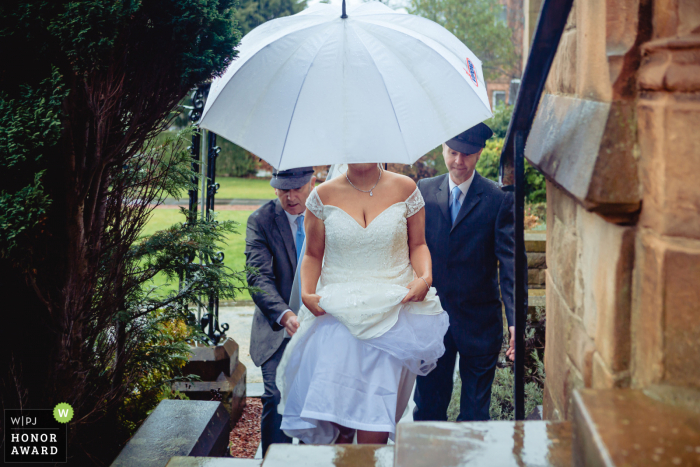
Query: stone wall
point(618, 138)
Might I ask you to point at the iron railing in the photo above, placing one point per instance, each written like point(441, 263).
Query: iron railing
point(550, 26)
point(209, 322)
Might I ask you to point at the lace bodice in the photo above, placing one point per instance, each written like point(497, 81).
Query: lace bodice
point(376, 253)
point(364, 275)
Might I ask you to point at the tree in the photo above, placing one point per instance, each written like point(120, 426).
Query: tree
point(85, 86)
point(252, 13)
point(478, 24)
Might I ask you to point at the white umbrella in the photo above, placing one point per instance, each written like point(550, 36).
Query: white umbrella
point(376, 86)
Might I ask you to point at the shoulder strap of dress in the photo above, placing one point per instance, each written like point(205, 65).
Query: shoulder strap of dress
point(314, 204)
point(414, 203)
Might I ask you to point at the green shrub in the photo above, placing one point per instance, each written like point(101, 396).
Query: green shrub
point(234, 161)
point(502, 407)
point(500, 120)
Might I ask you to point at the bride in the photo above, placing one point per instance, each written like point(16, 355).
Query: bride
point(370, 321)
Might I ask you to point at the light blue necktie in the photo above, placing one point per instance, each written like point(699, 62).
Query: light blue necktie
point(300, 235)
point(300, 244)
point(454, 208)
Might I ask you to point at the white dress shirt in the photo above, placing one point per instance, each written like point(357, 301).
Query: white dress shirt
point(292, 218)
point(463, 187)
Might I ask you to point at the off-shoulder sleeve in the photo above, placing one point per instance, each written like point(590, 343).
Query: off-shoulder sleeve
point(314, 204)
point(414, 203)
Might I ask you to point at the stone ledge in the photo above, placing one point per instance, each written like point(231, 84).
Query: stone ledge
point(624, 427)
point(670, 65)
point(503, 444)
point(586, 148)
point(208, 362)
point(178, 428)
point(232, 388)
point(535, 242)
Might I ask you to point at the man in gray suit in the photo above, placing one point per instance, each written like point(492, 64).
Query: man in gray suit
point(274, 237)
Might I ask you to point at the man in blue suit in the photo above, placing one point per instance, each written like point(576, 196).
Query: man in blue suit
point(469, 228)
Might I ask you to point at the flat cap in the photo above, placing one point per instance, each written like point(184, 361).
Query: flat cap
point(472, 140)
point(291, 179)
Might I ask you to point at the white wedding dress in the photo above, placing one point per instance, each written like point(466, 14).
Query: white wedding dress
point(356, 365)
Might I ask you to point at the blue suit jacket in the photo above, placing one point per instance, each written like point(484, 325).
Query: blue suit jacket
point(466, 260)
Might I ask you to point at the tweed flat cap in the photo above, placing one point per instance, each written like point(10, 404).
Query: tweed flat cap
point(291, 179)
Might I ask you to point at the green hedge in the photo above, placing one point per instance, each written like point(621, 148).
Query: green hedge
point(234, 161)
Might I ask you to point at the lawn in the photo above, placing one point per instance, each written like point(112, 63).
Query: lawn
point(244, 188)
point(233, 250)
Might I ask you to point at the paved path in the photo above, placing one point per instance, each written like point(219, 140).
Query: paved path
point(240, 321)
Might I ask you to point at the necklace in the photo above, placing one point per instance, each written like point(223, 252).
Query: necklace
point(366, 191)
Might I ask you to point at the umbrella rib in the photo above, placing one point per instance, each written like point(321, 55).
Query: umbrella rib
point(296, 101)
point(393, 109)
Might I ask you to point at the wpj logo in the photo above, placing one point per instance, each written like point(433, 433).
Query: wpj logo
point(38, 435)
point(471, 72)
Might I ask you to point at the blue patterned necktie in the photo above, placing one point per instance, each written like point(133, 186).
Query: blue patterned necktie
point(300, 235)
point(454, 207)
point(300, 244)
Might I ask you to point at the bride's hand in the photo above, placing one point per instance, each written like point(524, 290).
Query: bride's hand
point(417, 290)
point(311, 302)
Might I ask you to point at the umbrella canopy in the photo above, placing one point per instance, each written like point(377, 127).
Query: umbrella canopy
point(376, 86)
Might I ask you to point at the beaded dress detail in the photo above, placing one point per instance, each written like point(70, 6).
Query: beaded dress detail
point(363, 280)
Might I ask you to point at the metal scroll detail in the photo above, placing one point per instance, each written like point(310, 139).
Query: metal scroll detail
point(209, 321)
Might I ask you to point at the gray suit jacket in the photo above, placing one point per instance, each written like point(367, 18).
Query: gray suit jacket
point(270, 249)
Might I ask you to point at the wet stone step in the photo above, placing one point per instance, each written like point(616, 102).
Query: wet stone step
point(178, 428)
point(625, 427)
point(483, 444)
point(348, 455)
point(181, 461)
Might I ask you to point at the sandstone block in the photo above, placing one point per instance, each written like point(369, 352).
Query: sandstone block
point(208, 362)
point(561, 203)
point(591, 52)
point(647, 315)
point(681, 281)
point(574, 383)
point(536, 277)
point(605, 270)
point(670, 153)
point(562, 258)
point(675, 17)
point(562, 75)
point(536, 260)
point(604, 378)
point(559, 318)
point(666, 321)
point(580, 348)
point(586, 148)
